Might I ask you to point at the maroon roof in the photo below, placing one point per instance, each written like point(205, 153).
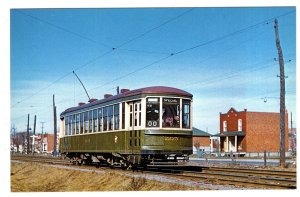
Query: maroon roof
point(147, 90)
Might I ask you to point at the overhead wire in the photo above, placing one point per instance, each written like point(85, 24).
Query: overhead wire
point(164, 58)
point(63, 29)
point(265, 22)
point(111, 49)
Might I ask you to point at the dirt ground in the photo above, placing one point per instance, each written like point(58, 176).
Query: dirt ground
point(32, 177)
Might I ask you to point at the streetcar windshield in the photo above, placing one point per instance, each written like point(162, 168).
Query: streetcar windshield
point(170, 113)
point(152, 112)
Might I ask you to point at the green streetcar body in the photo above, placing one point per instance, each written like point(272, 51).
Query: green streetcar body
point(126, 129)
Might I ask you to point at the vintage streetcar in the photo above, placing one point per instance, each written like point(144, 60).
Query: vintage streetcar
point(133, 128)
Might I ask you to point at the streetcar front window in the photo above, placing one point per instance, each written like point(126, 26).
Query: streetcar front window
point(170, 113)
point(152, 112)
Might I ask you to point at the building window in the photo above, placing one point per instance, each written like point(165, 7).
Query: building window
point(152, 112)
point(240, 125)
point(186, 114)
point(170, 117)
point(224, 125)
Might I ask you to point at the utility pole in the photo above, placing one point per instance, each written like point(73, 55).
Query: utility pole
point(282, 97)
point(33, 136)
point(55, 128)
point(27, 144)
point(291, 121)
point(42, 137)
point(13, 136)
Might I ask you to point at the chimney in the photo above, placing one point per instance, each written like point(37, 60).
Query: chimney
point(92, 100)
point(107, 95)
point(81, 103)
point(124, 90)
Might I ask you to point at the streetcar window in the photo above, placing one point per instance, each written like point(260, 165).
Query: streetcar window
point(131, 115)
point(140, 114)
point(116, 117)
point(86, 123)
point(186, 114)
point(152, 112)
point(90, 121)
point(95, 120)
point(66, 125)
point(105, 109)
point(123, 115)
point(170, 117)
point(100, 119)
point(70, 124)
point(73, 125)
point(81, 123)
point(77, 123)
point(110, 118)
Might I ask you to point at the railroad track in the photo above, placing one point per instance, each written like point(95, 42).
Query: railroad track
point(239, 177)
point(40, 159)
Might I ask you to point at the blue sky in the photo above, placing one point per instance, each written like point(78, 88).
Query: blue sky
point(223, 56)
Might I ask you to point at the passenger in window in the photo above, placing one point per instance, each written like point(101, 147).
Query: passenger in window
point(170, 117)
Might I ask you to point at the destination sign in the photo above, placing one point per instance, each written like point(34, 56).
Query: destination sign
point(170, 100)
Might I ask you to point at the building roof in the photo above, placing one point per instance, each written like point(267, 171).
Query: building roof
point(200, 133)
point(230, 133)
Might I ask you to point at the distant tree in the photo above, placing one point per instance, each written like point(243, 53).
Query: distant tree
point(197, 145)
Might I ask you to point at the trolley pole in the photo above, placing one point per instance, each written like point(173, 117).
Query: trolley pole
point(55, 128)
point(282, 97)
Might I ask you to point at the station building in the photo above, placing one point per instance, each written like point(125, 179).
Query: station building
point(245, 131)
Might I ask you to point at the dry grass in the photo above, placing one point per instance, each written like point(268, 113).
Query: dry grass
point(31, 177)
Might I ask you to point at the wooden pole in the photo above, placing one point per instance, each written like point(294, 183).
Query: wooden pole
point(33, 136)
point(282, 97)
point(55, 128)
point(27, 144)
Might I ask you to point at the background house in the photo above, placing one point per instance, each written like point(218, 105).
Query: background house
point(244, 131)
point(201, 141)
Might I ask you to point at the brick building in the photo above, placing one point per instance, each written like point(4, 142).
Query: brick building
point(201, 140)
point(245, 131)
point(42, 143)
point(292, 139)
point(45, 143)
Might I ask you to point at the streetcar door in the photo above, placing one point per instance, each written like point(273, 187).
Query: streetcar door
point(135, 113)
